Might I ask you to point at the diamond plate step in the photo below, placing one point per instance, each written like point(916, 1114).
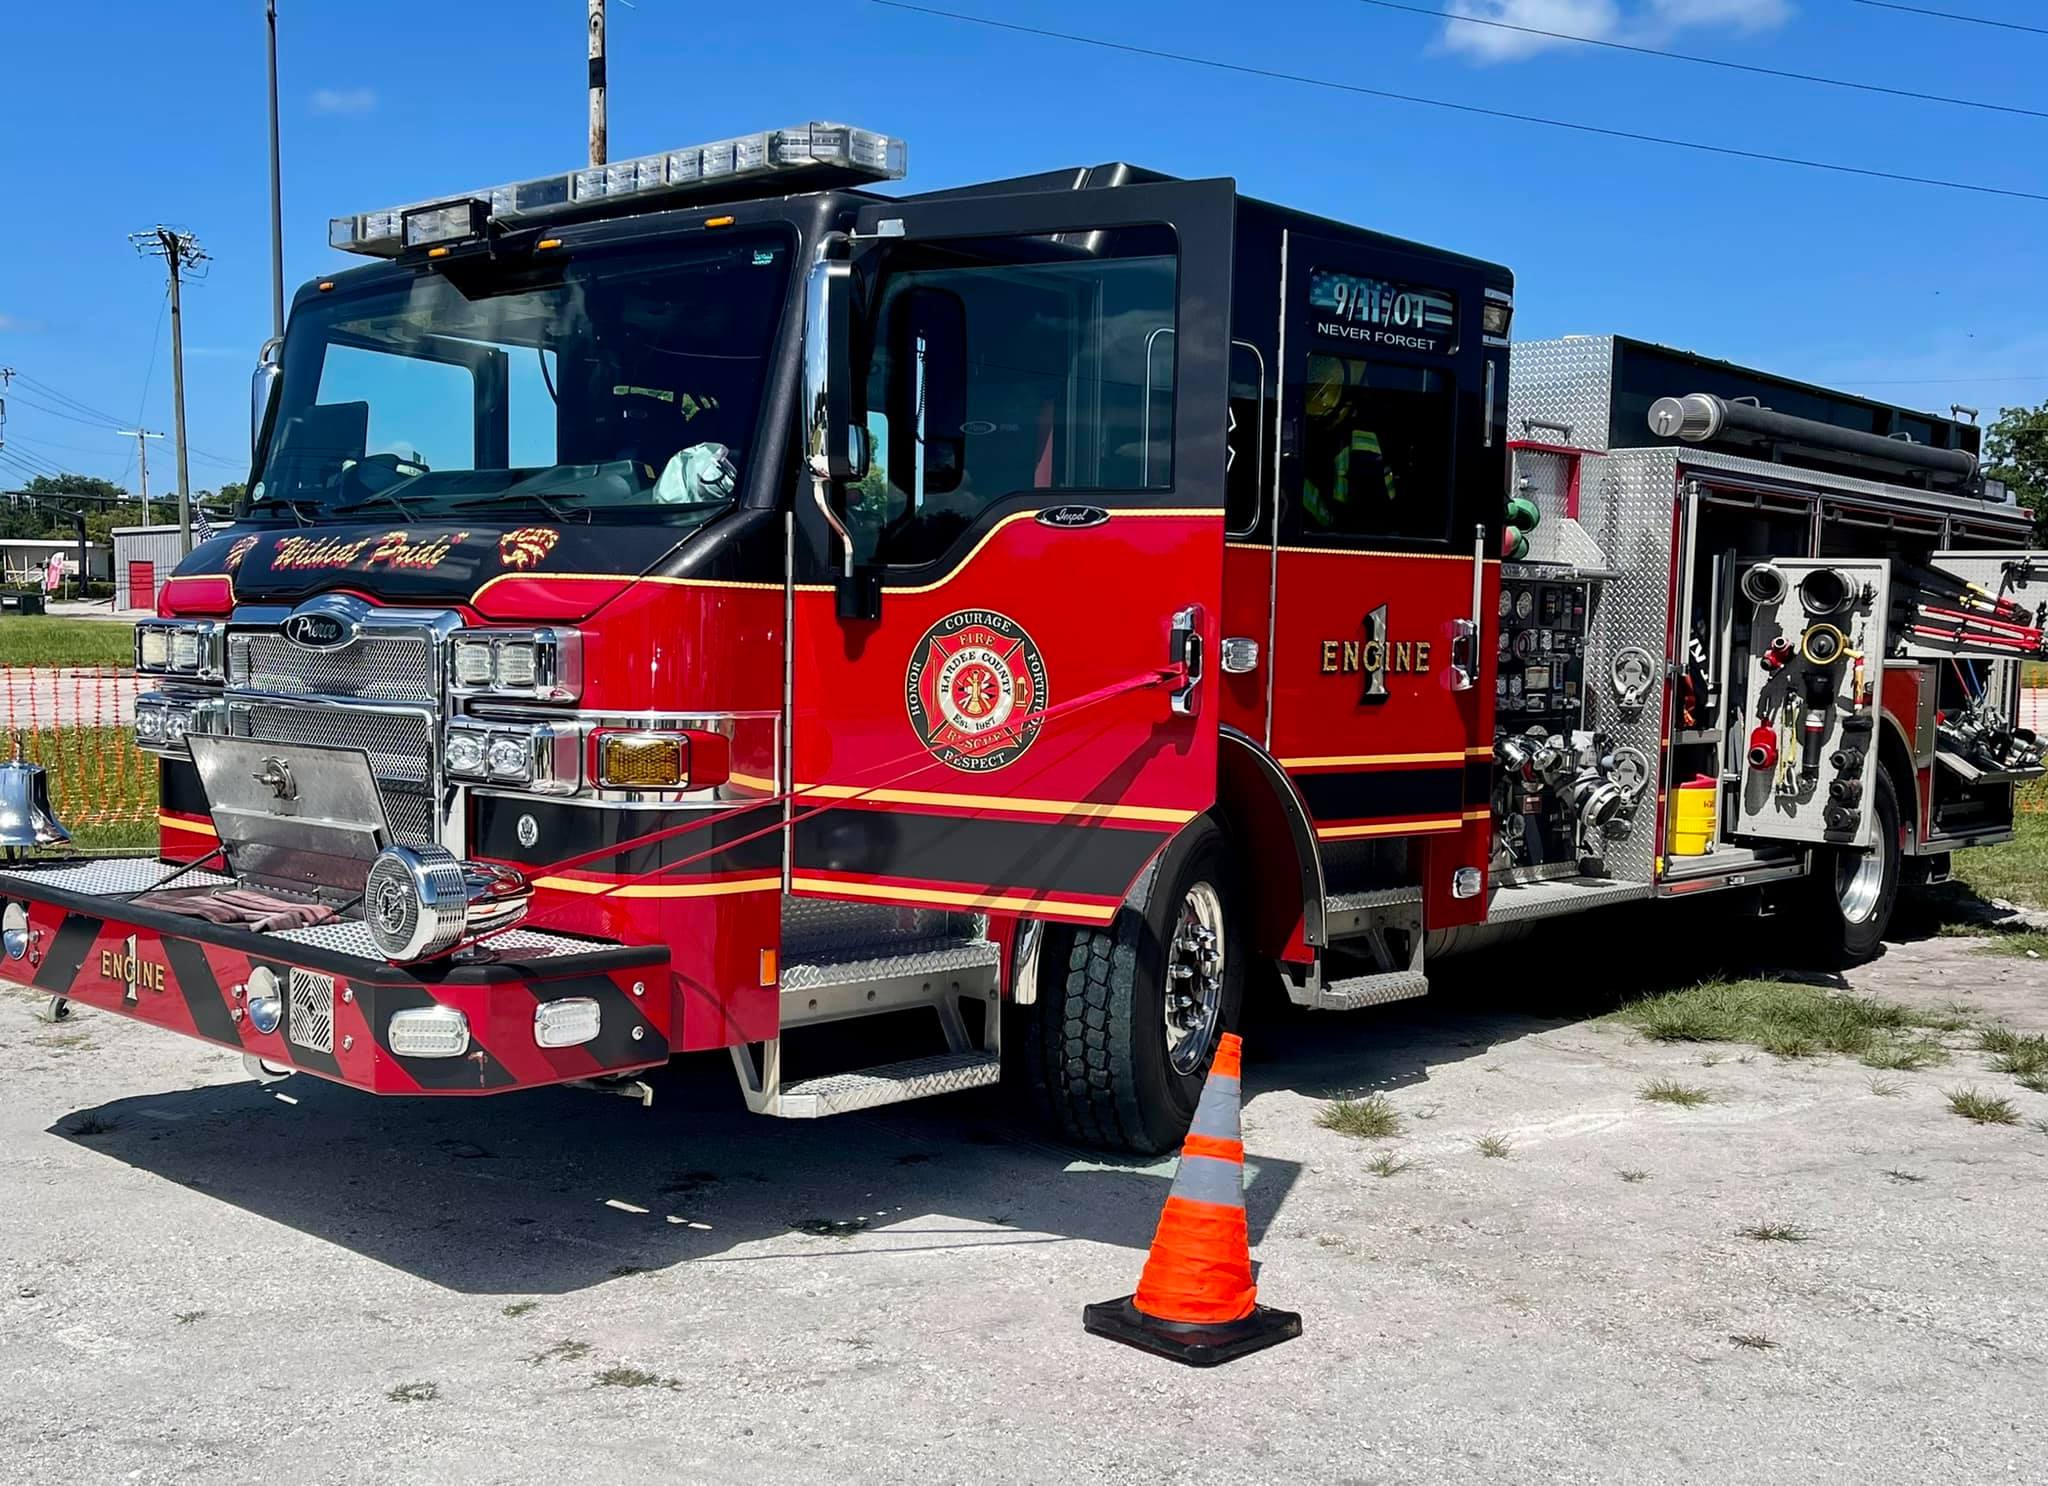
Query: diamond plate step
point(1368, 990)
point(889, 1083)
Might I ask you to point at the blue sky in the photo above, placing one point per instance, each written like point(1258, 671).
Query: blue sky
point(123, 114)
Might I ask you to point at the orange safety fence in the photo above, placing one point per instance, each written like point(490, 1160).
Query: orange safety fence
point(78, 723)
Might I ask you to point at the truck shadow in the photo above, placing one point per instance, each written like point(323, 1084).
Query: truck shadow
point(557, 1190)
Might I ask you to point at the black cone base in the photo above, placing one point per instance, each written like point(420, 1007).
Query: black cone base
point(1197, 1346)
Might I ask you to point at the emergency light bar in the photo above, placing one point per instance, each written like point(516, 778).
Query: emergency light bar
point(825, 154)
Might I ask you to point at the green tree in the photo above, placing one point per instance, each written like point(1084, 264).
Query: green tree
point(2016, 451)
point(72, 485)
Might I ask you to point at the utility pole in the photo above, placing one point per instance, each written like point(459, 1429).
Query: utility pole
point(276, 189)
point(597, 114)
point(141, 436)
point(179, 250)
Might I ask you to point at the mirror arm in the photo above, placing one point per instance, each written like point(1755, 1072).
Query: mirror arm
point(821, 497)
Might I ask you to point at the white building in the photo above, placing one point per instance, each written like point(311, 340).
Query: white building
point(24, 560)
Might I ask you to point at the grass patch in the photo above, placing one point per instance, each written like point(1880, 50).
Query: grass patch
point(627, 1377)
point(561, 1351)
point(40, 640)
point(103, 786)
point(1886, 1088)
point(93, 1125)
point(1370, 1118)
point(1775, 1233)
point(1754, 1341)
point(1909, 1177)
point(1386, 1164)
point(2015, 870)
point(1632, 1175)
point(1787, 1018)
point(1670, 1091)
point(520, 1308)
point(186, 1318)
point(1984, 1109)
point(1904, 1054)
point(415, 1393)
point(2023, 1055)
point(1498, 1147)
point(2028, 944)
point(2042, 1126)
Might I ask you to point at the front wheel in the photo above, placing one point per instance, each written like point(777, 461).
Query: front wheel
point(1853, 891)
point(1128, 1016)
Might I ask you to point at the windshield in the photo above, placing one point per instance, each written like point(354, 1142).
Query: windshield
point(619, 384)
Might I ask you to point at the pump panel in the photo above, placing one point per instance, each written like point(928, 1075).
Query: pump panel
point(1809, 670)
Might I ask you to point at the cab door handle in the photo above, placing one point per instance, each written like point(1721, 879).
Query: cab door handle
point(1184, 649)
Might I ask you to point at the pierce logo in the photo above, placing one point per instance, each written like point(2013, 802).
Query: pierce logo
point(975, 688)
point(318, 631)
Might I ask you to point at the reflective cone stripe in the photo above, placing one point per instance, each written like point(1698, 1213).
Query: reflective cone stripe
point(1199, 1271)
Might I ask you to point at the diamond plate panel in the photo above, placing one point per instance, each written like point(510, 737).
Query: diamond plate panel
point(938, 959)
point(309, 1010)
point(821, 928)
point(385, 667)
point(351, 937)
point(1567, 382)
point(1361, 991)
point(1638, 493)
point(893, 1083)
point(114, 875)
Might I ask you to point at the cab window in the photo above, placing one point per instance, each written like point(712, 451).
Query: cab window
point(1376, 444)
point(1003, 367)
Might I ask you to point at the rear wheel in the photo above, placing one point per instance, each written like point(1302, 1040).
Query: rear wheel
point(1129, 1016)
point(1853, 891)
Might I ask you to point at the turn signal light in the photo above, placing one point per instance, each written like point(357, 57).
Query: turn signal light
point(680, 759)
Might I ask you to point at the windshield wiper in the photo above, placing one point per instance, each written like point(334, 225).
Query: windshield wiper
point(550, 503)
point(291, 503)
point(381, 498)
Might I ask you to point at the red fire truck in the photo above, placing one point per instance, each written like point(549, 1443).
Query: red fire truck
point(702, 601)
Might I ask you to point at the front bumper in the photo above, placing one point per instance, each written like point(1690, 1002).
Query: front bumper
point(89, 944)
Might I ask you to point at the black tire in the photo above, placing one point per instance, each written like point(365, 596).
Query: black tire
point(1096, 1047)
point(1852, 910)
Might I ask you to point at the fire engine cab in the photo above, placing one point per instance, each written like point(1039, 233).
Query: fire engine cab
point(701, 601)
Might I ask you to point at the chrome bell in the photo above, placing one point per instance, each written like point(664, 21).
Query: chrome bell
point(26, 818)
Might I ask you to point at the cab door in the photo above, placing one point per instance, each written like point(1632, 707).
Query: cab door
point(1388, 571)
point(1030, 714)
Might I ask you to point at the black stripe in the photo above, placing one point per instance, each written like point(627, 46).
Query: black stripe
point(568, 831)
point(178, 788)
point(613, 1046)
point(201, 991)
point(476, 1069)
point(1047, 856)
point(1383, 792)
point(1478, 781)
point(68, 951)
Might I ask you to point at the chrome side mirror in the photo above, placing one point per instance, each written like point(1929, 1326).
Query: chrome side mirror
point(835, 440)
point(263, 387)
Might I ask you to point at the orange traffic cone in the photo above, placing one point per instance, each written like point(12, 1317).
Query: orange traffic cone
point(1196, 1302)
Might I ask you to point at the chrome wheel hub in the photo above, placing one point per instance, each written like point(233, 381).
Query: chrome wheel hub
point(1859, 882)
point(1195, 959)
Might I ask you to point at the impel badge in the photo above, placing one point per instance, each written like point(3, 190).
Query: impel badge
point(975, 689)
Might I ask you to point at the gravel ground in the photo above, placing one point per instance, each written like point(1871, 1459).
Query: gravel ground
point(210, 1280)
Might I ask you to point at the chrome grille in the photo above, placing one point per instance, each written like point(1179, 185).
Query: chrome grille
point(310, 1005)
point(389, 668)
point(399, 743)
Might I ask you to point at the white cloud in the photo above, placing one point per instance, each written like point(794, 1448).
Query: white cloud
point(1640, 22)
point(344, 100)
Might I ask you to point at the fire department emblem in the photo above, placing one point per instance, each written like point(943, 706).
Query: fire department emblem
point(975, 689)
point(526, 546)
point(237, 552)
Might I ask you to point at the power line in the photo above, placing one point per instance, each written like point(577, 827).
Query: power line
point(1950, 15)
point(60, 413)
point(44, 389)
point(1699, 61)
point(1356, 89)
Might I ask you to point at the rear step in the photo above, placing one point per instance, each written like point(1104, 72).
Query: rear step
point(1358, 991)
point(860, 980)
point(1381, 926)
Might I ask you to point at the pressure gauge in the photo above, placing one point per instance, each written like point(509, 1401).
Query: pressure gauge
point(1525, 604)
point(1507, 603)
